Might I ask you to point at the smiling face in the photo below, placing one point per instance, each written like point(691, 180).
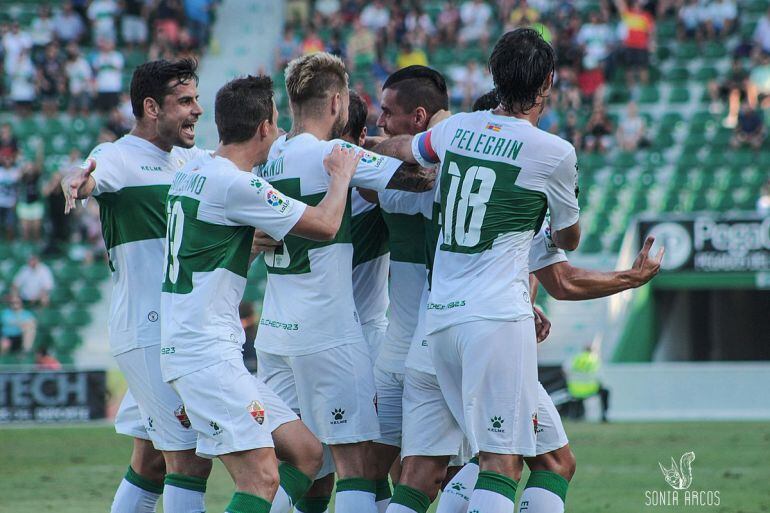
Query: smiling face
point(394, 120)
point(179, 114)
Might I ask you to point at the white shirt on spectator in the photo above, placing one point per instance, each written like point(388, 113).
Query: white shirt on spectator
point(689, 16)
point(13, 45)
point(596, 37)
point(68, 27)
point(102, 14)
point(762, 33)
point(9, 186)
point(327, 7)
point(23, 80)
point(33, 283)
point(721, 12)
point(109, 68)
point(475, 18)
point(42, 31)
point(374, 17)
point(79, 75)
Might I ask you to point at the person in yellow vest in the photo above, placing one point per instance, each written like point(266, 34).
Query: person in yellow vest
point(583, 382)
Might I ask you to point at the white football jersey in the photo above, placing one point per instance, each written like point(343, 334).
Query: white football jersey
point(371, 260)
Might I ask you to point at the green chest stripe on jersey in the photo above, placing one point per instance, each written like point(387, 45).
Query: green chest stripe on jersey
point(407, 237)
point(133, 214)
point(480, 201)
point(195, 246)
point(370, 236)
point(294, 257)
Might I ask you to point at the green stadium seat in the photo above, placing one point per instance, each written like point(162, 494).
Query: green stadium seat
point(649, 94)
point(714, 50)
point(687, 50)
point(77, 318)
point(679, 95)
point(678, 75)
point(87, 295)
point(49, 317)
point(706, 73)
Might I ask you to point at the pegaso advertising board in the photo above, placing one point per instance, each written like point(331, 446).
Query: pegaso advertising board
point(711, 244)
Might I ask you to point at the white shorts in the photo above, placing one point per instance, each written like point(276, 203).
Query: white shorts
point(128, 420)
point(487, 371)
point(230, 409)
point(374, 333)
point(333, 390)
point(429, 427)
point(159, 407)
point(550, 430)
point(390, 394)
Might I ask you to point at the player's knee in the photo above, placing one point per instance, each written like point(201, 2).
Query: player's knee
point(313, 456)
point(567, 465)
point(152, 468)
point(188, 464)
point(507, 465)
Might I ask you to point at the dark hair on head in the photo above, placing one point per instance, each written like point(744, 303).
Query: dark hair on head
point(156, 80)
point(357, 113)
point(486, 101)
point(241, 106)
point(419, 86)
point(520, 64)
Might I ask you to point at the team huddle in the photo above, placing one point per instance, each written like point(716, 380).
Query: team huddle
point(398, 336)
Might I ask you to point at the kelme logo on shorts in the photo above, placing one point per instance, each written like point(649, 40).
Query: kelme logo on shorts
point(181, 414)
point(339, 416)
point(257, 411)
point(149, 424)
point(215, 427)
point(497, 425)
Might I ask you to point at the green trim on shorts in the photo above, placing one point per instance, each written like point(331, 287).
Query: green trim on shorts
point(474, 460)
point(411, 498)
point(312, 504)
point(196, 484)
point(293, 481)
point(497, 483)
point(142, 482)
point(247, 503)
point(550, 481)
point(358, 484)
point(382, 490)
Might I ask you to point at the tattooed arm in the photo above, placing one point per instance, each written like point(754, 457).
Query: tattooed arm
point(412, 178)
point(399, 147)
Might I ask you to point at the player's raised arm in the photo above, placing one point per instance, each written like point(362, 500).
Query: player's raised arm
point(565, 282)
point(323, 221)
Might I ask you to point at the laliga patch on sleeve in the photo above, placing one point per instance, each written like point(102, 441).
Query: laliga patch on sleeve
point(549, 244)
point(277, 201)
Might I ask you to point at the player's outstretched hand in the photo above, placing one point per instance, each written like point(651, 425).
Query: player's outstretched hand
point(438, 117)
point(342, 162)
point(542, 324)
point(263, 242)
point(645, 265)
point(73, 180)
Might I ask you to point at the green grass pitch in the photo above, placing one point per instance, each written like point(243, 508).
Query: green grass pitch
point(76, 469)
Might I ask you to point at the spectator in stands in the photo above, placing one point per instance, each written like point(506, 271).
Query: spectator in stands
point(34, 282)
point(362, 47)
point(45, 361)
point(336, 46)
point(198, 20)
point(448, 22)
point(23, 92)
point(762, 34)
point(375, 16)
point(108, 66)
point(54, 198)
point(734, 88)
point(689, 17)
point(763, 202)
point(599, 129)
point(50, 79)
point(475, 16)
point(328, 9)
point(570, 131)
point(312, 42)
point(30, 208)
point(470, 82)
point(750, 130)
point(79, 81)
point(549, 121)
point(18, 327)
point(102, 14)
point(522, 15)
point(10, 174)
point(758, 86)
point(632, 129)
point(409, 55)
point(68, 25)
point(595, 39)
point(638, 27)
point(720, 18)
point(42, 28)
point(15, 42)
point(287, 49)
point(133, 22)
point(9, 145)
point(420, 27)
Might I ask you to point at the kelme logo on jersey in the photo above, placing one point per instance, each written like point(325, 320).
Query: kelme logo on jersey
point(497, 425)
point(257, 184)
point(339, 416)
point(367, 157)
point(181, 414)
point(277, 200)
point(257, 411)
point(458, 489)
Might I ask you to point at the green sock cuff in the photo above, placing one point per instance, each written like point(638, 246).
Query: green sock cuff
point(550, 481)
point(498, 483)
point(196, 484)
point(474, 460)
point(382, 490)
point(247, 503)
point(142, 482)
point(355, 484)
point(411, 498)
point(293, 481)
point(312, 504)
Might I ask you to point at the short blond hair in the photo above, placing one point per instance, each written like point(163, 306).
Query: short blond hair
point(315, 76)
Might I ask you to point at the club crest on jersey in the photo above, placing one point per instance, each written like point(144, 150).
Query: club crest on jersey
point(535, 424)
point(181, 414)
point(277, 200)
point(257, 411)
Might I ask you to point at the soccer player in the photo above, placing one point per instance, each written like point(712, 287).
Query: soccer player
point(213, 206)
point(130, 182)
point(310, 345)
point(499, 175)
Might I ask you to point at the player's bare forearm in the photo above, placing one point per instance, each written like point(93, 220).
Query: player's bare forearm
point(568, 283)
point(322, 222)
point(399, 146)
point(412, 178)
point(533, 287)
point(567, 238)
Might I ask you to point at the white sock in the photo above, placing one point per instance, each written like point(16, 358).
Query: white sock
point(132, 499)
point(184, 494)
point(408, 500)
point(382, 505)
point(355, 495)
point(399, 508)
point(544, 493)
point(457, 493)
point(494, 493)
point(281, 502)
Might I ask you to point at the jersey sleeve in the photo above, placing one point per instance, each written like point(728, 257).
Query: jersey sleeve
point(251, 201)
point(561, 190)
point(394, 201)
point(543, 251)
point(107, 175)
point(374, 171)
point(428, 146)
